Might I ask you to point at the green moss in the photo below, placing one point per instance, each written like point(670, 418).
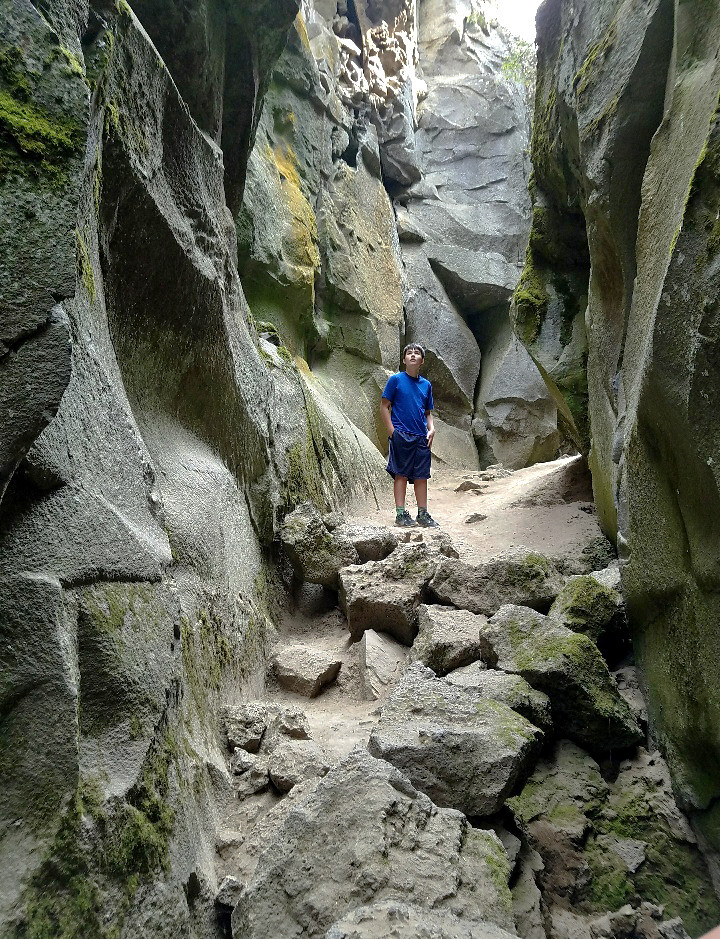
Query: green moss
point(13, 72)
point(585, 606)
point(530, 301)
point(594, 60)
point(86, 275)
point(673, 874)
point(68, 58)
point(138, 830)
point(32, 140)
point(610, 886)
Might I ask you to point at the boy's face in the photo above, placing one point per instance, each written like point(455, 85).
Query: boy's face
point(413, 358)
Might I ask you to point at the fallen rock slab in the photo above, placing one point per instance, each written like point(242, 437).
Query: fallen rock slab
point(401, 921)
point(315, 552)
point(380, 659)
point(463, 750)
point(248, 725)
point(305, 671)
point(586, 605)
point(372, 542)
point(293, 761)
point(361, 835)
point(520, 576)
point(447, 638)
point(568, 667)
point(509, 689)
point(385, 595)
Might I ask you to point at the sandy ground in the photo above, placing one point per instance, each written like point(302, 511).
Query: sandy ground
point(547, 507)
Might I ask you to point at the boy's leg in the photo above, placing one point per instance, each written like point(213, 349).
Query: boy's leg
point(400, 488)
point(421, 497)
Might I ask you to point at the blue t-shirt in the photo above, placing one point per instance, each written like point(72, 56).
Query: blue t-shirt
point(411, 398)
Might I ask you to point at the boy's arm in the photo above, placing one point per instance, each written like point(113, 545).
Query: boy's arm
point(430, 428)
point(385, 406)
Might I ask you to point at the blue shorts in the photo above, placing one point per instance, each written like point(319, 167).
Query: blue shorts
point(409, 456)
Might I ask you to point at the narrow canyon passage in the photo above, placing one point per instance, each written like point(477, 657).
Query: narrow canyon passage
point(237, 701)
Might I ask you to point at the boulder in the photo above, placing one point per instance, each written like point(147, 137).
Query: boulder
point(385, 595)
point(305, 670)
point(441, 736)
point(316, 553)
point(509, 689)
point(515, 415)
point(247, 726)
point(447, 638)
point(628, 684)
point(519, 576)
point(372, 542)
point(569, 668)
point(604, 843)
point(380, 659)
point(587, 606)
point(393, 918)
point(293, 761)
point(361, 835)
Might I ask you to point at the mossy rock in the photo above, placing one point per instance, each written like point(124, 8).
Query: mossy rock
point(569, 668)
point(586, 606)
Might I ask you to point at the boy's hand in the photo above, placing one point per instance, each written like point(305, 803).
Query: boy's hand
point(430, 436)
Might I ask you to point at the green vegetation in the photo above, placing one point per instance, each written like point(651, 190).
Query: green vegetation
point(32, 140)
point(86, 275)
point(530, 301)
point(13, 73)
point(521, 64)
point(101, 846)
point(595, 59)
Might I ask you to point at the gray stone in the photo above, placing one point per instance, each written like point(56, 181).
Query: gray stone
point(305, 670)
point(245, 726)
point(527, 909)
point(380, 659)
point(316, 553)
point(392, 918)
point(587, 606)
point(628, 684)
point(441, 735)
point(447, 638)
point(293, 761)
point(372, 542)
point(512, 403)
point(507, 688)
point(569, 669)
point(385, 595)
point(361, 835)
point(250, 726)
point(520, 576)
point(228, 891)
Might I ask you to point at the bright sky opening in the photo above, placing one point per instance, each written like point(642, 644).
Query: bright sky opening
point(517, 15)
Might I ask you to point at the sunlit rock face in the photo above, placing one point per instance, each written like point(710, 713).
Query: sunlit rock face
point(625, 147)
point(392, 151)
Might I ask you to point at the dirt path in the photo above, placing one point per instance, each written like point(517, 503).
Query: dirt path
point(546, 507)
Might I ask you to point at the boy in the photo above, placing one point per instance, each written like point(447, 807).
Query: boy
point(406, 411)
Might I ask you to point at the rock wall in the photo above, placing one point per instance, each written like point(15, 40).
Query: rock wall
point(203, 290)
point(621, 275)
point(151, 441)
point(392, 153)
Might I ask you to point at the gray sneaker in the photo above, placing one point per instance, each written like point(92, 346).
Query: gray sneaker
point(425, 520)
point(405, 520)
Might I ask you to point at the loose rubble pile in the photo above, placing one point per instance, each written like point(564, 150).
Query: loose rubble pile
point(505, 788)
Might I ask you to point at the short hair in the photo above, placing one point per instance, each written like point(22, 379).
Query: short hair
point(413, 345)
